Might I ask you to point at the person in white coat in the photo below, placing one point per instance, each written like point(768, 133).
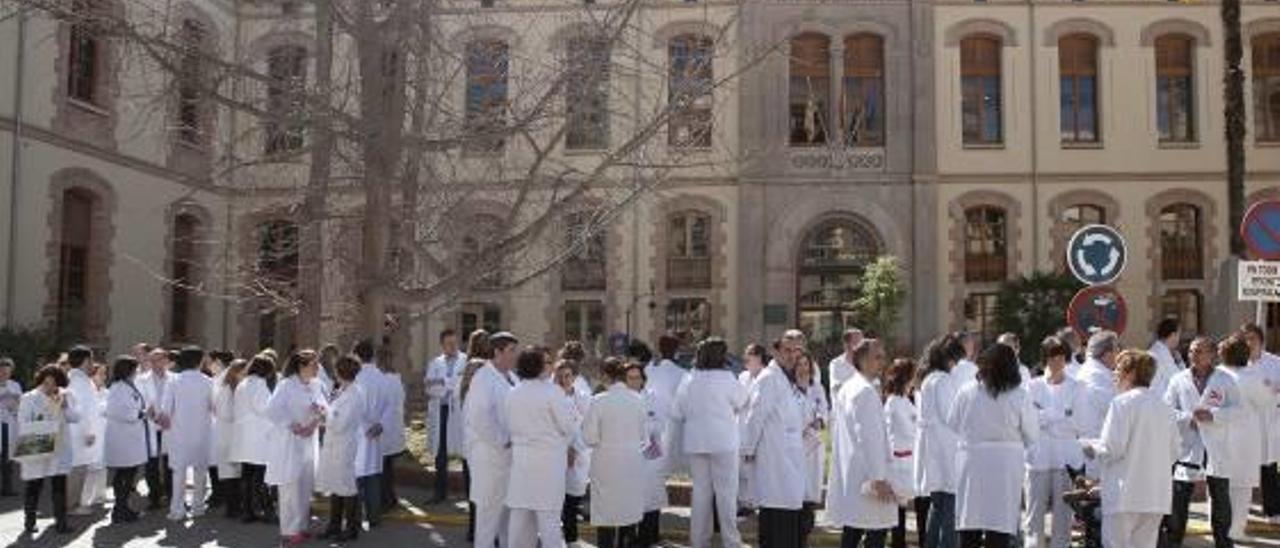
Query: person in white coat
point(756, 358)
point(392, 439)
point(297, 408)
point(1268, 366)
point(188, 404)
point(1203, 398)
point(774, 445)
point(444, 420)
point(616, 431)
point(489, 439)
point(840, 368)
point(86, 444)
point(51, 408)
point(662, 378)
point(10, 395)
point(1099, 383)
point(816, 414)
point(966, 368)
point(705, 416)
point(94, 491)
point(252, 425)
point(648, 532)
point(1248, 448)
point(126, 436)
point(154, 383)
point(1138, 447)
point(1165, 351)
point(1058, 400)
point(902, 418)
point(936, 443)
point(860, 497)
point(579, 466)
point(335, 475)
point(378, 418)
point(996, 423)
point(541, 423)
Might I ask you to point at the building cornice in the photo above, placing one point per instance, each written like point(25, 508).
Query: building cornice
point(1107, 177)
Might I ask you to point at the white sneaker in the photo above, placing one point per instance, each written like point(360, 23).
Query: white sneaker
point(177, 517)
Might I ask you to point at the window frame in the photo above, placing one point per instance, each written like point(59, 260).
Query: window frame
point(987, 74)
point(287, 67)
point(1078, 65)
point(689, 269)
point(859, 76)
point(992, 266)
point(85, 54)
point(799, 66)
point(1169, 69)
point(690, 91)
point(1266, 74)
point(1181, 268)
point(588, 62)
point(486, 98)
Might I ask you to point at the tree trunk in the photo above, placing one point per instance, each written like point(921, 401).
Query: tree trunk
point(1233, 91)
point(315, 203)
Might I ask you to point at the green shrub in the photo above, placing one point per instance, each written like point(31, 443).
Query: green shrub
point(1034, 307)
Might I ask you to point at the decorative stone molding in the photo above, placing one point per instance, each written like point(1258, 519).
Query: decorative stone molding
point(1209, 237)
point(1259, 27)
point(260, 49)
point(956, 249)
point(719, 241)
point(957, 32)
point(489, 31)
point(199, 271)
point(92, 123)
point(1079, 25)
point(1058, 234)
point(101, 251)
point(1175, 26)
point(663, 35)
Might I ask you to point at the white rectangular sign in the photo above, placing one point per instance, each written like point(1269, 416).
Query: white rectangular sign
point(1259, 281)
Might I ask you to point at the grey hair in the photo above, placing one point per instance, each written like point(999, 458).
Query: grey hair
point(1101, 343)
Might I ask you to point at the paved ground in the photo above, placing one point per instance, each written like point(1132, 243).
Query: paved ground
point(414, 524)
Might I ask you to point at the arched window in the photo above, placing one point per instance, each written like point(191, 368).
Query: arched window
point(1175, 88)
point(190, 82)
point(584, 270)
point(286, 99)
point(587, 97)
point(86, 60)
point(184, 274)
point(487, 64)
point(75, 267)
point(1266, 87)
point(833, 257)
point(690, 83)
point(980, 81)
point(1078, 78)
point(863, 110)
point(986, 234)
point(810, 89)
point(689, 250)
point(1181, 254)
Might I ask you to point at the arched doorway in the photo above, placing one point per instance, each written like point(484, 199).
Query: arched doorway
point(833, 256)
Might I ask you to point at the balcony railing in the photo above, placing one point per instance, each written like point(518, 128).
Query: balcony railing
point(689, 273)
point(1181, 263)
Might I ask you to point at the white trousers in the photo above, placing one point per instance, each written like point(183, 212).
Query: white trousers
point(714, 473)
point(95, 487)
point(746, 496)
point(491, 524)
point(295, 502)
point(528, 527)
point(1241, 499)
point(1044, 495)
point(178, 499)
point(1130, 530)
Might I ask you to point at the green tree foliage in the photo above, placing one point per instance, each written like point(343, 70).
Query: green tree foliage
point(879, 303)
point(1034, 307)
point(27, 347)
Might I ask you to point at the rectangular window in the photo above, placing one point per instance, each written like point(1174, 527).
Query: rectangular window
point(190, 78)
point(980, 315)
point(1078, 78)
point(810, 89)
point(862, 113)
point(84, 53)
point(689, 319)
point(689, 254)
point(587, 95)
point(690, 86)
point(584, 322)
point(286, 99)
point(1266, 87)
point(980, 82)
point(486, 96)
point(584, 270)
point(986, 245)
point(1175, 89)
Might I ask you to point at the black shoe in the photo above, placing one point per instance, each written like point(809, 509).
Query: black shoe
point(29, 524)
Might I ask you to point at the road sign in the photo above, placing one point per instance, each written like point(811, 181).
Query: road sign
point(1261, 230)
point(1097, 308)
point(1096, 254)
point(1259, 281)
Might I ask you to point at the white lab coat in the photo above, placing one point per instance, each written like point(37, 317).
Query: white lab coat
point(86, 399)
point(1167, 365)
point(1269, 365)
point(936, 443)
point(706, 410)
point(488, 436)
point(10, 395)
point(901, 417)
point(292, 456)
point(994, 436)
point(664, 381)
point(377, 411)
point(224, 429)
point(443, 376)
point(1248, 448)
point(1220, 395)
point(860, 455)
point(746, 472)
point(1137, 449)
point(189, 405)
point(392, 439)
point(615, 430)
point(841, 370)
point(335, 474)
point(964, 372)
point(252, 426)
point(125, 439)
point(577, 475)
point(775, 438)
point(541, 423)
point(1099, 384)
point(154, 387)
point(656, 421)
point(816, 413)
point(1058, 410)
point(36, 407)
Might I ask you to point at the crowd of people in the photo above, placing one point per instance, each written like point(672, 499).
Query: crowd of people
point(979, 449)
